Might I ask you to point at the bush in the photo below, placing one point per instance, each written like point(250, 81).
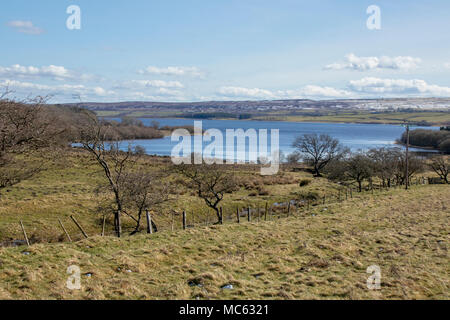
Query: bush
point(445, 146)
point(311, 196)
point(304, 182)
point(427, 138)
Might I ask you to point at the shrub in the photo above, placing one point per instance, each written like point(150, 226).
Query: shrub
point(444, 146)
point(304, 182)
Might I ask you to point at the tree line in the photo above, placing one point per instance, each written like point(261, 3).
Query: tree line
point(436, 139)
point(327, 156)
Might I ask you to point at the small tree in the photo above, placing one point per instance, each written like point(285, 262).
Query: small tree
point(114, 162)
point(415, 165)
point(355, 168)
point(211, 183)
point(441, 165)
point(384, 163)
point(319, 151)
point(144, 191)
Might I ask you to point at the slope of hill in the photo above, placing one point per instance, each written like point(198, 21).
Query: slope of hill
point(322, 253)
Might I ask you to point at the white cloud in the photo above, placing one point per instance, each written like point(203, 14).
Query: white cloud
point(312, 91)
point(173, 71)
point(307, 92)
point(447, 65)
point(25, 27)
point(397, 86)
point(354, 62)
point(240, 92)
point(51, 71)
point(44, 89)
point(153, 84)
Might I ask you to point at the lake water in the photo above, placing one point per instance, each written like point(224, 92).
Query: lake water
point(354, 136)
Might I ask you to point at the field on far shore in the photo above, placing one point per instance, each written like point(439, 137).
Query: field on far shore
point(431, 118)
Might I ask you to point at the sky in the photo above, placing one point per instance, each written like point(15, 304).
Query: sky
point(201, 50)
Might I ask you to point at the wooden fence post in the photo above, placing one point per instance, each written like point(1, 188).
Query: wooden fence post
point(265, 212)
point(238, 215)
point(221, 215)
point(103, 226)
point(289, 208)
point(64, 229)
point(324, 199)
point(149, 222)
point(249, 215)
point(24, 233)
point(173, 220)
point(184, 220)
point(81, 229)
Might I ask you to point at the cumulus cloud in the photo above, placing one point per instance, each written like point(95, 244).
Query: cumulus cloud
point(154, 84)
point(354, 62)
point(173, 71)
point(310, 91)
point(397, 86)
point(239, 92)
point(25, 27)
point(55, 89)
point(51, 71)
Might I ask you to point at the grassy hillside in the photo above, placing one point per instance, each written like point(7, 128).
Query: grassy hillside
point(68, 187)
point(322, 253)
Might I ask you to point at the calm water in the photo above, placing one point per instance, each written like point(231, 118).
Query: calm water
point(354, 136)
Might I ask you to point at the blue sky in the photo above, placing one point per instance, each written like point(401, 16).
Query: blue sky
point(225, 49)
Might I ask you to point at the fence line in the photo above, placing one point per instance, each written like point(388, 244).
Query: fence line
point(252, 214)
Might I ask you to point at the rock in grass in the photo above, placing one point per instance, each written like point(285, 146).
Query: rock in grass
point(227, 287)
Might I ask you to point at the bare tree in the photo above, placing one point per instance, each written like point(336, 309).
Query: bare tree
point(415, 165)
point(211, 183)
point(26, 129)
point(319, 151)
point(134, 189)
point(93, 138)
point(384, 161)
point(441, 165)
point(357, 167)
point(145, 191)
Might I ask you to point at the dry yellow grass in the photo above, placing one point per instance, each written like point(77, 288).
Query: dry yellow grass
point(321, 254)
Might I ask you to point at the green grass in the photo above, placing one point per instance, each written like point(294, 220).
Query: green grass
point(320, 254)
